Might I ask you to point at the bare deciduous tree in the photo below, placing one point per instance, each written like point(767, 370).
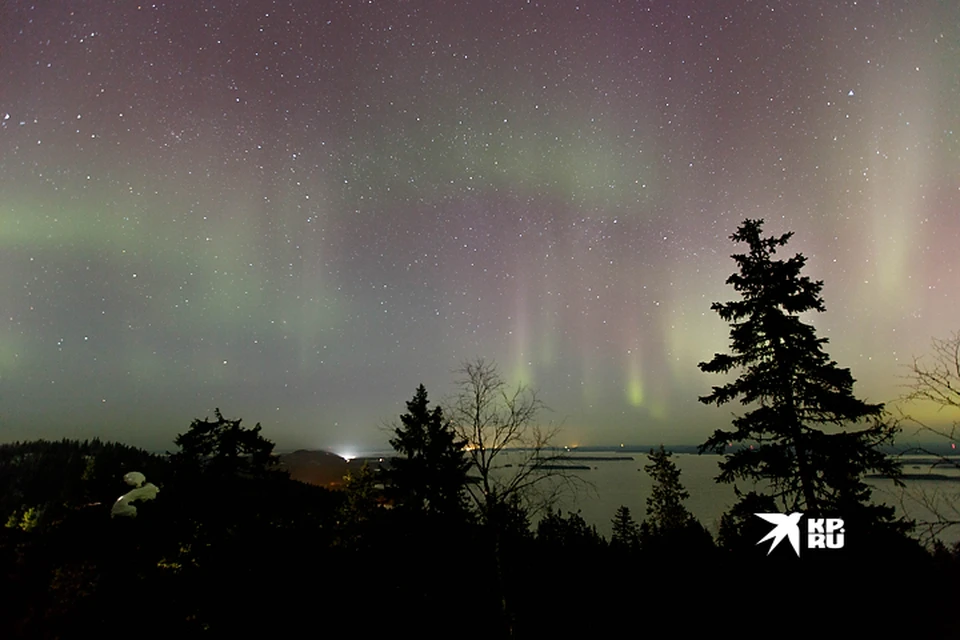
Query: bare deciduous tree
point(935, 379)
point(515, 458)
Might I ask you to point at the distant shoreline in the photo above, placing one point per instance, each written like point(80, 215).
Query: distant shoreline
point(939, 477)
point(929, 451)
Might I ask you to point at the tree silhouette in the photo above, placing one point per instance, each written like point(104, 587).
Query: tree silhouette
point(568, 535)
point(669, 527)
point(430, 474)
point(665, 511)
point(796, 389)
point(431, 517)
point(938, 381)
point(626, 531)
point(934, 380)
point(224, 449)
point(514, 456)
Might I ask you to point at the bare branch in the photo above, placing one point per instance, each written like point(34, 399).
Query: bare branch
point(935, 379)
point(514, 457)
point(934, 511)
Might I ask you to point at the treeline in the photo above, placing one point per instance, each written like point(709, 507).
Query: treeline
point(233, 547)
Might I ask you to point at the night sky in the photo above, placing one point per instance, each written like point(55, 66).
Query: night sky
point(299, 211)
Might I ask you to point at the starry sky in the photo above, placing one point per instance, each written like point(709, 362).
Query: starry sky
point(299, 211)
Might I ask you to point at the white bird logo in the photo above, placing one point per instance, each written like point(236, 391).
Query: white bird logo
point(787, 527)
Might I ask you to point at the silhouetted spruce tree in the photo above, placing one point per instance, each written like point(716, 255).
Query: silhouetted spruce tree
point(796, 390)
point(665, 510)
point(427, 483)
point(669, 527)
point(626, 531)
point(430, 474)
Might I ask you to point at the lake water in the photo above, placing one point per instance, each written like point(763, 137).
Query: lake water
point(612, 483)
point(626, 483)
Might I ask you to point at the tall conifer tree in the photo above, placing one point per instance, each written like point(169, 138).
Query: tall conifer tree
point(666, 513)
point(795, 437)
point(626, 531)
point(430, 474)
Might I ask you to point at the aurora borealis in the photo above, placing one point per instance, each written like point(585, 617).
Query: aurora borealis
point(299, 211)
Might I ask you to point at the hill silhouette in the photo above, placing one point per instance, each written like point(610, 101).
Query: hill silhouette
point(320, 468)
